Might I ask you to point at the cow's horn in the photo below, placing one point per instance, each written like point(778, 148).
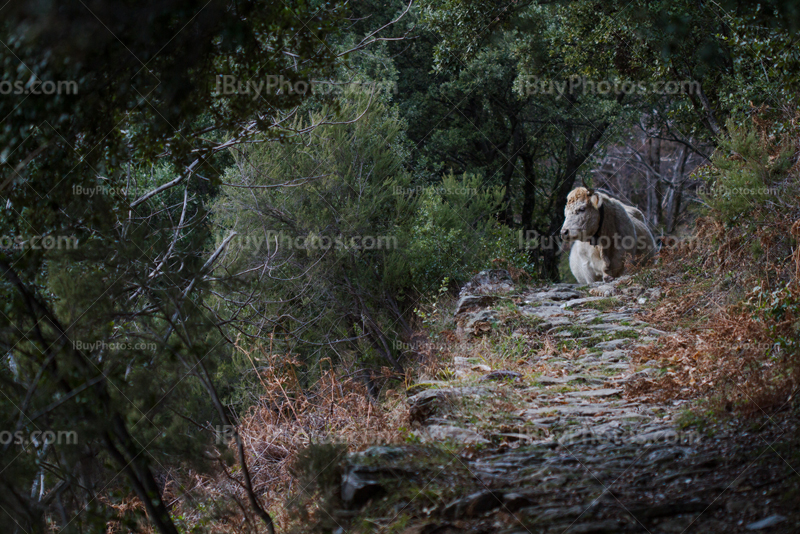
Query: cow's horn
point(591, 191)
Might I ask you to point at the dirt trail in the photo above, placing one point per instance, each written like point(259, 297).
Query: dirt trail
point(551, 443)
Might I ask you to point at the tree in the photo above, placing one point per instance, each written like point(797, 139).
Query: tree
point(107, 332)
point(331, 267)
point(490, 114)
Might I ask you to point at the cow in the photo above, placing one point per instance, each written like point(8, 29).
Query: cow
point(603, 231)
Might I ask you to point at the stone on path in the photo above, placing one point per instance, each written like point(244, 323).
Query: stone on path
point(543, 312)
point(470, 302)
point(473, 505)
point(502, 375)
point(556, 443)
point(491, 281)
point(452, 433)
point(766, 523)
point(598, 393)
point(578, 302)
point(553, 294)
point(611, 345)
point(604, 290)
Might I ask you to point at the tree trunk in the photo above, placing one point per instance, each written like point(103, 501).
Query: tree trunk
point(677, 190)
point(506, 214)
point(656, 182)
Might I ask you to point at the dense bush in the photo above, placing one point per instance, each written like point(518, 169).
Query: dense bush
point(334, 246)
point(750, 173)
point(752, 199)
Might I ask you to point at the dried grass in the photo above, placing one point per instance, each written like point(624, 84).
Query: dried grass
point(289, 418)
point(724, 348)
point(733, 361)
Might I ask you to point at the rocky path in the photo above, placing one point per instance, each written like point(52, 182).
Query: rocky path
point(533, 431)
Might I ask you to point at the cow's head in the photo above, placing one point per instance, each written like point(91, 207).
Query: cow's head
point(581, 215)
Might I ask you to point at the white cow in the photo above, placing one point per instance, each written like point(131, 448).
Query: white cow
point(603, 231)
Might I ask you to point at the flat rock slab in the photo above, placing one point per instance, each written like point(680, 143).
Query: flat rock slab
point(617, 316)
point(452, 433)
point(469, 302)
point(766, 523)
point(654, 331)
point(614, 355)
point(582, 300)
point(596, 393)
point(611, 327)
point(502, 375)
point(441, 393)
point(556, 381)
point(543, 312)
point(585, 410)
point(584, 316)
point(611, 345)
point(603, 290)
point(552, 322)
point(553, 294)
point(564, 334)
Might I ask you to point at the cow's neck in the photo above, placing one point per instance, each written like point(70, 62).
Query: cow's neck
point(596, 236)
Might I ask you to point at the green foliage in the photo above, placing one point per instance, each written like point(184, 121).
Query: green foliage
point(748, 174)
point(721, 56)
point(318, 467)
point(781, 310)
point(316, 221)
point(349, 209)
point(304, 247)
point(318, 470)
point(113, 338)
point(453, 234)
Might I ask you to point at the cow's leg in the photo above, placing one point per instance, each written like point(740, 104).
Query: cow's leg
point(613, 263)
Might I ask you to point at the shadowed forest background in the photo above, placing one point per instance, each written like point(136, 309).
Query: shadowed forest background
point(202, 285)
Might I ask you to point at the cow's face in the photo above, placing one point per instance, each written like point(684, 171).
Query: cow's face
point(581, 215)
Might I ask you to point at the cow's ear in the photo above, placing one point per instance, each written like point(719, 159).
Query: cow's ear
point(596, 200)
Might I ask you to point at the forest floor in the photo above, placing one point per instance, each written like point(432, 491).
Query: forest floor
point(534, 425)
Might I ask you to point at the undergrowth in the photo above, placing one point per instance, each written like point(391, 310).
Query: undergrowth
point(731, 291)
